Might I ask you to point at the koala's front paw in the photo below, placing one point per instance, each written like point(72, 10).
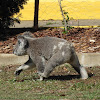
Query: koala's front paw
point(43, 75)
point(84, 77)
point(17, 72)
point(41, 78)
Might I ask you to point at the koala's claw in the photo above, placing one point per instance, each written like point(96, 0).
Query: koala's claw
point(17, 72)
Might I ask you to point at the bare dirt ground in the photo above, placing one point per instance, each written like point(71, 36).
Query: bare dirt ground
point(84, 39)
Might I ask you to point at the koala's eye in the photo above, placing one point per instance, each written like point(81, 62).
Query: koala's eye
point(19, 42)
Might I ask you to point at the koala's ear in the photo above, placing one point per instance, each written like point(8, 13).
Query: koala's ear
point(27, 34)
point(22, 41)
point(20, 37)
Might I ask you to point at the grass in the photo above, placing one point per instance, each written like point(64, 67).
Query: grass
point(50, 23)
point(64, 83)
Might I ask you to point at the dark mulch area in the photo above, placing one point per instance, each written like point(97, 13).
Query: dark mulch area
point(84, 39)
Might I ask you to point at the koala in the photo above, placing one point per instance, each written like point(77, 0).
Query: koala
point(45, 54)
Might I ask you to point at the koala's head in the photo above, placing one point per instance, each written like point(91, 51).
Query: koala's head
point(21, 46)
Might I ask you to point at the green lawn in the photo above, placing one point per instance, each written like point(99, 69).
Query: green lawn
point(63, 84)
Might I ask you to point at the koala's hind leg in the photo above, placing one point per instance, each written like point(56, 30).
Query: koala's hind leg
point(56, 60)
point(76, 65)
point(28, 65)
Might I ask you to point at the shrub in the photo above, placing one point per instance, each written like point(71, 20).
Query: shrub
point(7, 9)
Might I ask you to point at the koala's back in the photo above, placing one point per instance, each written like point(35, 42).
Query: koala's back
point(47, 46)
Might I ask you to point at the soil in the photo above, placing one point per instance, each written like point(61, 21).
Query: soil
point(85, 40)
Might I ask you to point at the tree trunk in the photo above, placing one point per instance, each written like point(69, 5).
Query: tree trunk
point(36, 14)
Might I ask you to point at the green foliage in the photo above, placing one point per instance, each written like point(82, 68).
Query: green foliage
point(7, 9)
point(67, 19)
point(66, 16)
point(68, 28)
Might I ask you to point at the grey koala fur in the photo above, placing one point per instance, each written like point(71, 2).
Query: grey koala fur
point(46, 53)
point(27, 34)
